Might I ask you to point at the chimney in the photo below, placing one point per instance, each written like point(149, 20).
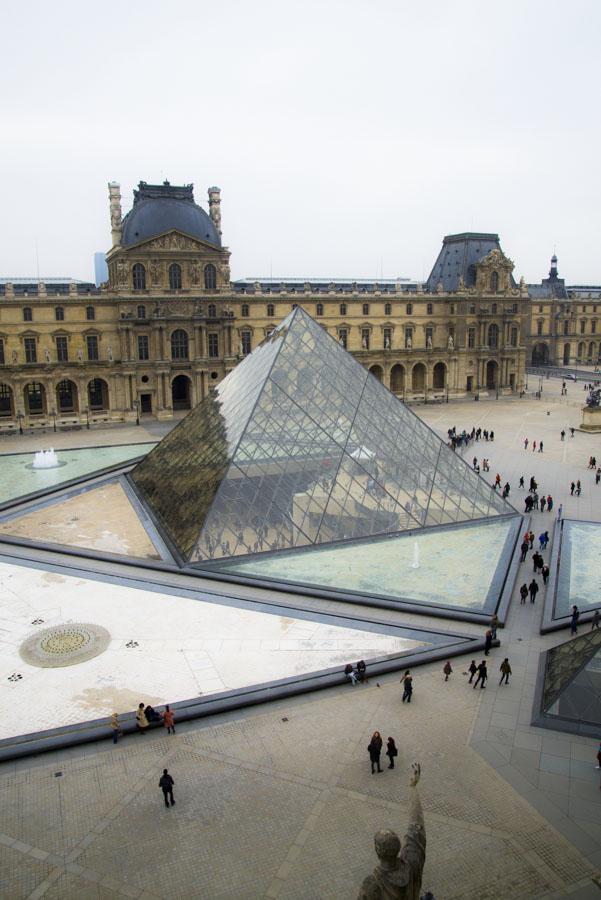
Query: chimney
point(115, 208)
point(215, 207)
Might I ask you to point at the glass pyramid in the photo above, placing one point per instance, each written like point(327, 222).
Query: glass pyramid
point(300, 445)
point(572, 685)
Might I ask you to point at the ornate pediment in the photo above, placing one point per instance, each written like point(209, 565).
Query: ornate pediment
point(497, 259)
point(173, 240)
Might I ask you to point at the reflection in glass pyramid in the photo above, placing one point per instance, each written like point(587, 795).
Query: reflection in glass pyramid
point(300, 445)
point(572, 686)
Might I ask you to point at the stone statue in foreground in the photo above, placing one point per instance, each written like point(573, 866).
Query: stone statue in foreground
point(399, 877)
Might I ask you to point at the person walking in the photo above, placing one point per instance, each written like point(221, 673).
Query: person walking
point(545, 573)
point(494, 624)
point(407, 682)
point(525, 443)
point(505, 670)
point(559, 512)
point(572, 489)
point(563, 434)
point(473, 668)
point(116, 728)
point(391, 752)
point(521, 484)
point(598, 766)
point(543, 501)
point(578, 488)
point(531, 539)
point(524, 550)
point(574, 620)
point(533, 589)
point(533, 446)
point(487, 642)
point(141, 720)
point(540, 447)
point(374, 749)
point(523, 593)
point(571, 429)
point(448, 669)
point(595, 620)
point(598, 475)
point(166, 783)
point(169, 720)
point(482, 675)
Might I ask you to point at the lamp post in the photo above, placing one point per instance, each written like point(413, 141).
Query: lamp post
point(137, 409)
point(20, 421)
point(53, 414)
point(87, 418)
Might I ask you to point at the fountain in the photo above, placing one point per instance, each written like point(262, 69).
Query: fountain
point(415, 563)
point(45, 459)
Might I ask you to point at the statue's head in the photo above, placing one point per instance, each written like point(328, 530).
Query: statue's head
point(388, 846)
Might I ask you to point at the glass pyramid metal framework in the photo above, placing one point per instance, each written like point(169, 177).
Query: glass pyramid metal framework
point(299, 445)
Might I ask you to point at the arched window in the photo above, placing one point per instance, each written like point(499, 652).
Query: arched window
point(212, 311)
point(138, 274)
point(141, 312)
point(409, 309)
point(210, 277)
point(429, 309)
point(493, 336)
point(35, 398)
point(494, 282)
point(175, 277)
point(6, 400)
point(270, 309)
point(59, 313)
point(343, 309)
point(244, 311)
point(90, 313)
point(66, 395)
point(27, 314)
point(98, 394)
point(365, 309)
point(388, 309)
point(179, 344)
point(319, 309)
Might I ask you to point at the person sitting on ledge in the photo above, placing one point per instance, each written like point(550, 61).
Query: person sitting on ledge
point(152, 715)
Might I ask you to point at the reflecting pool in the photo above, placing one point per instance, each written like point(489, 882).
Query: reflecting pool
point(17, 477)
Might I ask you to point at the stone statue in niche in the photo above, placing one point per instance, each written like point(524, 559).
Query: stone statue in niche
point(115, 217)
point(110, 353)
point(461, 285)
point(194, 272)
point(398, 875)
point(156, 270)
point(15, 357)
point(47, 355)
point(79, 355)
point(225, 273)
point(451, 343)
point(428, 343)
point(409, 342)
point(122, 272)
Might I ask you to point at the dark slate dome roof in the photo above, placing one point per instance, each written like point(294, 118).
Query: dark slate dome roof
point(163, 207)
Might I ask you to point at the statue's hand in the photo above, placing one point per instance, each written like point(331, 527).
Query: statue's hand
point(417, 773)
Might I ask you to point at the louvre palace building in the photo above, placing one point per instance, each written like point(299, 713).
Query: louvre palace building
point(169, 323)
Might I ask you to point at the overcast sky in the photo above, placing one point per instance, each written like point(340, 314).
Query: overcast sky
point(347, 137)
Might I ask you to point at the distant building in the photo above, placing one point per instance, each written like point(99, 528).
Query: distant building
point(101, 271)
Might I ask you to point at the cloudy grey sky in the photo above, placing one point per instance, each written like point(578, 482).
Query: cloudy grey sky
point(347, 136)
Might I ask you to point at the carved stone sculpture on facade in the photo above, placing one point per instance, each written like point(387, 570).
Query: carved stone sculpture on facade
point(122, 271)
point(156, 271)
point(409, 342)
point(194, 272)
point(15, 357)
point(451, 343)
point(47, 355)
point(110, 353)
point(428, 343)
point(398, 875)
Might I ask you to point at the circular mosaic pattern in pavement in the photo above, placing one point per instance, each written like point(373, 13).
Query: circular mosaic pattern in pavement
point(64, 645)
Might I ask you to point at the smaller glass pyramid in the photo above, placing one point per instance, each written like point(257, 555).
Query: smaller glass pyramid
point(299, 446)
point(572, 686)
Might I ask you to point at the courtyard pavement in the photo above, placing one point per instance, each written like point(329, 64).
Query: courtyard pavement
point(279, 801)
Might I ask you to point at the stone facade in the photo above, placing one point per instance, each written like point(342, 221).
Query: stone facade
point(170, 323)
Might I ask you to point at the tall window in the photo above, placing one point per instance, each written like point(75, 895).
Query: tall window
point(27, 314)
point(270, 309)
point(471, 338)
point(92, 346)
point(513, 336)
point(582, 326)
point(365, 338)
point(5, 400)
point(90, 313)
point(143, 352)
point(245, 341)
point(175, 277)
point(141, 312)
point(210, 277)
point(409, 309)
point(539, 327)
point(365, 309)
point(494, 282)
point(342, 309)
point(31, 353)
point(1, 352)
point(212, 311)
point(452, 309)
point(138, 274)
point(319, 309)
point(343, 337)
point(66, 396)
point(429, 309)
point(97, 394)
point(244, 311)
point(62, 348)
point(34, 398)
point(540, 309)
point(494, 309)
point(408, 338)
point(213, 340)
point(387, 334)
point(388, 309)
point(593, 326)
point(566, 327)
point(472, 309)
point(493, 336)
point(59, 313)
point(179, 344)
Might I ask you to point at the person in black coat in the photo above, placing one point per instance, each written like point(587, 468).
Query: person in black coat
point(487, 642)
point(166, 783)
point(407, 682)
point(375, 748)
point(533, 588)
point(391, 752)
point(472, 670)
point(482, 675)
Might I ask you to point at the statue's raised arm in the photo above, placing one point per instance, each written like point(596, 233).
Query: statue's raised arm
point(398, 875)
